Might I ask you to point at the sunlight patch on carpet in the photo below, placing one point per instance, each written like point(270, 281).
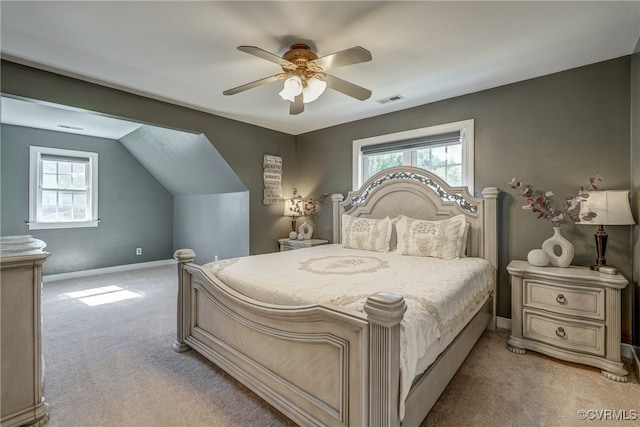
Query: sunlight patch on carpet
point(103, 295)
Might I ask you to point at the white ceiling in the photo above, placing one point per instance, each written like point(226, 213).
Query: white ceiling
point(53, 117)
point(185, 52)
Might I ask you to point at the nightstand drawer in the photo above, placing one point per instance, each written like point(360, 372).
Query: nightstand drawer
point(573, 335)
point(571, 300)
point(291, 244)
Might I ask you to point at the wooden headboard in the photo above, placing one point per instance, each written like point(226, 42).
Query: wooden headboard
point(417, 193)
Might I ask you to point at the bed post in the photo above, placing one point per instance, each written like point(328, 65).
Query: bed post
point(183, 256)
point(337, 216)
point(385, 311)
point(490, 240)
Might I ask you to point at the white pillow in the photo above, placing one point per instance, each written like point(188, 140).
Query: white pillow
point(438, 239)
point(366, 233)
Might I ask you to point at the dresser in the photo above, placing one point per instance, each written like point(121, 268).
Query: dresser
point(287, 244)
point(22, 402)
point(569, 313)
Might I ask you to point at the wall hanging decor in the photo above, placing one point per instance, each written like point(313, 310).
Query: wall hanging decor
point(272, 176)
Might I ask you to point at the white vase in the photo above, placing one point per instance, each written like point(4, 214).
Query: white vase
point(306, 230)
point(567, 250)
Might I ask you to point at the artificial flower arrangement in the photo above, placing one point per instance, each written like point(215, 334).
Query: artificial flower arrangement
point(308, 207)
point(297, 206)
point(540, 203)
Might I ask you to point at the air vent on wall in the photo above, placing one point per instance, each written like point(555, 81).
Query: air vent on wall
point(388, 99)
point(70, 127)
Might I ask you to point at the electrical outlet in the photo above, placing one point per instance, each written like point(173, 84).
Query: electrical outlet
point(138, 251)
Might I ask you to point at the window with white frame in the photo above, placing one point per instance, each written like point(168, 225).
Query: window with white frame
point(63, 188)
point(446, 150)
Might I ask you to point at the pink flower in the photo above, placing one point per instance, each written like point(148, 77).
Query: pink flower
point(539, 203)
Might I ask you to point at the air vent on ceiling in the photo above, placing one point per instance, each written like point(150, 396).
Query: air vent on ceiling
point(70, 127)
point(389, 99)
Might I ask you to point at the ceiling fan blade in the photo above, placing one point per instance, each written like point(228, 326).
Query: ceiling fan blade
point(355, 55)
point(251, 85)
point(261, 53)
point(347, 88)
point(297, 106)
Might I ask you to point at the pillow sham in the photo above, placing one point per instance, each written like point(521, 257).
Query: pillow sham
point(366, 233)
point(438, 239)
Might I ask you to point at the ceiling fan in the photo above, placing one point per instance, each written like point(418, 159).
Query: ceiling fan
point(305, 76)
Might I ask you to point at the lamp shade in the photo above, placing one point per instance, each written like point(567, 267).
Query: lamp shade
point(611, 208)
point(292, 88)
point(315, 88)
point(293, 207)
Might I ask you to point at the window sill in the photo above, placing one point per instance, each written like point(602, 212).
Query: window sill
point(53, 225)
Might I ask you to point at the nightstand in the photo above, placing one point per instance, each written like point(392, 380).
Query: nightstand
point(569, 313)
point(287, 244)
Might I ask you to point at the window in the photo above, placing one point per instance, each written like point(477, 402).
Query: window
point(63, 188)
point(446, 150)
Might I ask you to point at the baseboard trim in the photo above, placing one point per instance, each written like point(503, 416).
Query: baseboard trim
point(503, 323)
point(115, 269)
point(628, 351)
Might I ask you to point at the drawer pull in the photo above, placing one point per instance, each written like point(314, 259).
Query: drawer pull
point(560, 332)
point(560, 299)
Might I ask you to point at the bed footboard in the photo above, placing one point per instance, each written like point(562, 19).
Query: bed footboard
point(318, 365)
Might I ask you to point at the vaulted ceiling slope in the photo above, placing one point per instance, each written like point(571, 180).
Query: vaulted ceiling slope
point(184, 163)
point(185, 52)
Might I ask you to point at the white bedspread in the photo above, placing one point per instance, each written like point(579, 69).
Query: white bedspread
point(441, 295)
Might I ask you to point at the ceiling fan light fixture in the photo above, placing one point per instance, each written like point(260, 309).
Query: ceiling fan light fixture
point(292, 88)
point(315, 87)
point(304, 74)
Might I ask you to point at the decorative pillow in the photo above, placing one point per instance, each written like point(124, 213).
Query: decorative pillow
point(366, 233)
point(438, 239)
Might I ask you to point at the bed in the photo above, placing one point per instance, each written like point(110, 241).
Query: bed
point(276, 324)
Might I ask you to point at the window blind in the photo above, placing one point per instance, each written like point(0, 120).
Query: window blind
point(59, 158)
point(408, 144)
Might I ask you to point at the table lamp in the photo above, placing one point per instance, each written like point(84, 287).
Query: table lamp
point(611, 208)
point(293, 208)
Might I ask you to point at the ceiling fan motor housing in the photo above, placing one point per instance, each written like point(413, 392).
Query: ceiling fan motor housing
point(299, 54)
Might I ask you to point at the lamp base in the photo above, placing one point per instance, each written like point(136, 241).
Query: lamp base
point(608, 270)
point(601, 247)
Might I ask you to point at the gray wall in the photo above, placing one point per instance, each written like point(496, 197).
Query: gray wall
point(553, 132)
point(132, 205)
point(241, 145)
point(212, 224)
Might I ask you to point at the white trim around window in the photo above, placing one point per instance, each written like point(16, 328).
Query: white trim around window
point(63, 188)
point(466, 127)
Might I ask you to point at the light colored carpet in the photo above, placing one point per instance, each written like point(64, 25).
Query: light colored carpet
point(113, 365)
